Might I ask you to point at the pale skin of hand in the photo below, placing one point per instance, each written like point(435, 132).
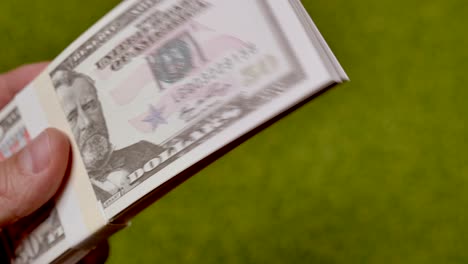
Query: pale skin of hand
point(31, 177)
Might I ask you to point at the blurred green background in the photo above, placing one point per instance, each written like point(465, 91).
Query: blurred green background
point(374, 171)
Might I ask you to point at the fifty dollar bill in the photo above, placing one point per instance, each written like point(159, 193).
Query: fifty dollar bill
point(151, 91)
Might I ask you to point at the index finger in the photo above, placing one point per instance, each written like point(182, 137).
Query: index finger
point(15, 80)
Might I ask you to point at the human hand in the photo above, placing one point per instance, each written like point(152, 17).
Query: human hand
point(32, 176)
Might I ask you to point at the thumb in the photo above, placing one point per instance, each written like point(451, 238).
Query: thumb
point(31, 177)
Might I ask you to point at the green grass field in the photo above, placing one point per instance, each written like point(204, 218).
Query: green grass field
point(374, 171)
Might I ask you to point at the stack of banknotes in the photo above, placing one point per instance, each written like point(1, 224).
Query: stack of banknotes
point(149, 95)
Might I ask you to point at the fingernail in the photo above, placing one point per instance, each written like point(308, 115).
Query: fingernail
point(36, 156)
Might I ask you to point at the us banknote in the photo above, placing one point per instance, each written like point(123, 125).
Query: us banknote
point(35, 235)
point(150, 91)
point(162, 78)
point(13, 133)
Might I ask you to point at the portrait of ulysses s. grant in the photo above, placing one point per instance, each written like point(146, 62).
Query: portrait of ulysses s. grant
point(107, 167)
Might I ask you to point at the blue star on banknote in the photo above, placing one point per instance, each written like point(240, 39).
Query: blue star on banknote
point(155, 117)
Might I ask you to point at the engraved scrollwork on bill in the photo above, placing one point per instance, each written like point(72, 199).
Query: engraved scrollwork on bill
point(35, 235)
point(13, 133)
